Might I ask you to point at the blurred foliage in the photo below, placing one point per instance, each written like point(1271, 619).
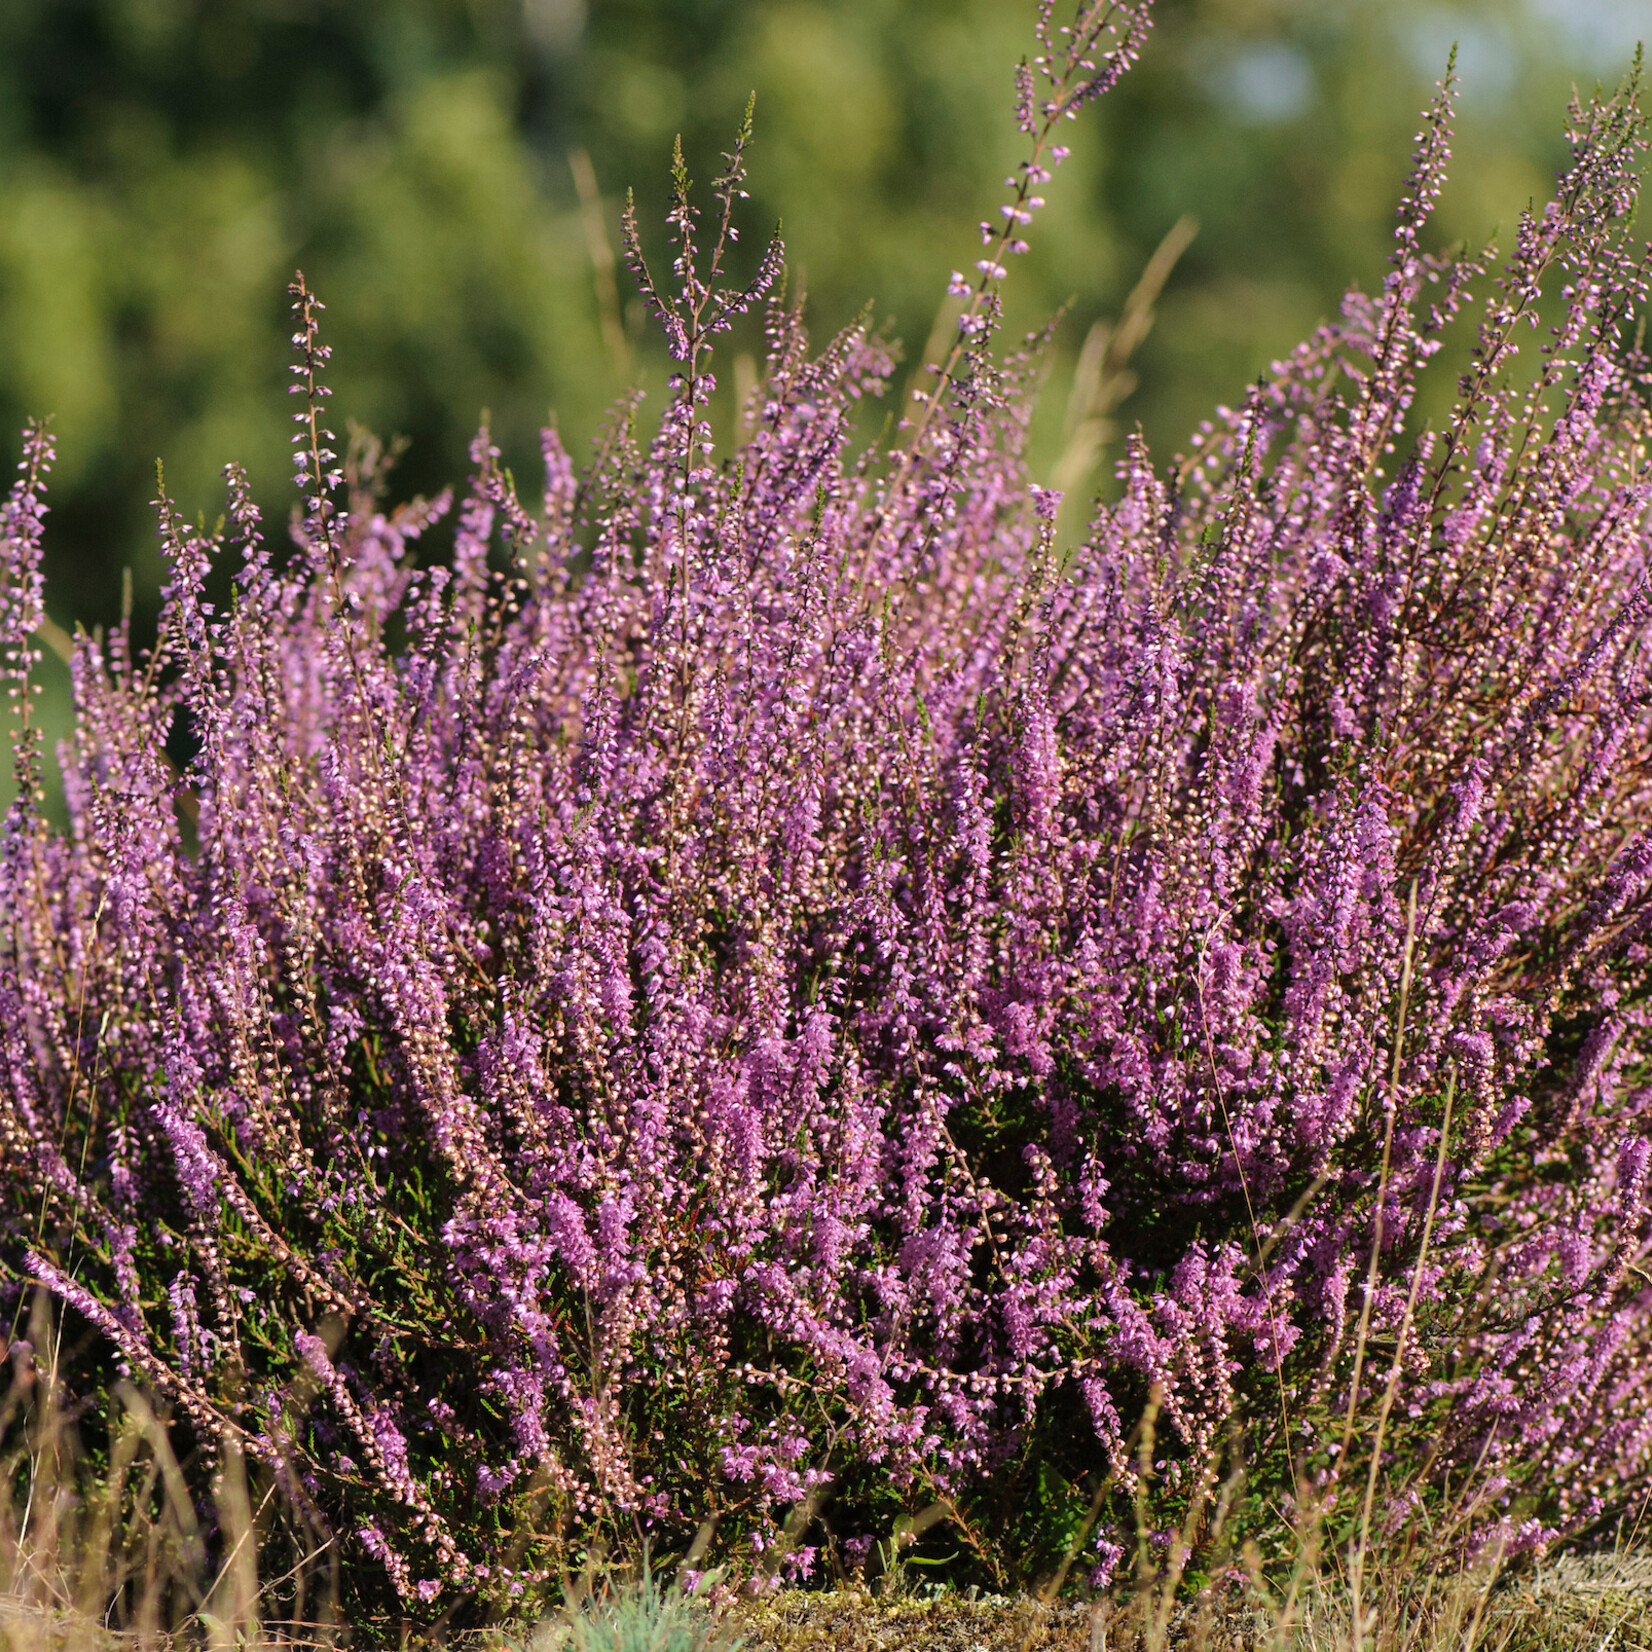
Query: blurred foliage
point(166, 164)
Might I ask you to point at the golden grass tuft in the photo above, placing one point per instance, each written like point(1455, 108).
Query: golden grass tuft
point(117, 1561)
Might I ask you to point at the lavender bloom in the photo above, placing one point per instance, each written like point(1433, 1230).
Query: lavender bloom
point(760, 978)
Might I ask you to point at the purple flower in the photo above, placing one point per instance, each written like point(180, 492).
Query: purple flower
point(761, 974)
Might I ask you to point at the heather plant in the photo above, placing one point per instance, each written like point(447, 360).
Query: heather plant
point(760, 1008)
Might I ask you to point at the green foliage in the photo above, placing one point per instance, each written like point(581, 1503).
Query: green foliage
point(635, 1615)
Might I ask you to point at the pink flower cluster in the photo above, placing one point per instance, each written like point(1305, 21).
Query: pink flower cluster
point(760, 978)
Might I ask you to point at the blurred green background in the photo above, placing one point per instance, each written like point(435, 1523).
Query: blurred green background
point(166, 164)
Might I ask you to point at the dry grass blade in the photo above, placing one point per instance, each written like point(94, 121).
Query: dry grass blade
point(111, 1554)
point(1102, 378)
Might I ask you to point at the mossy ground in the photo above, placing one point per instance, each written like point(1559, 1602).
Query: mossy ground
point(1582, 1603)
